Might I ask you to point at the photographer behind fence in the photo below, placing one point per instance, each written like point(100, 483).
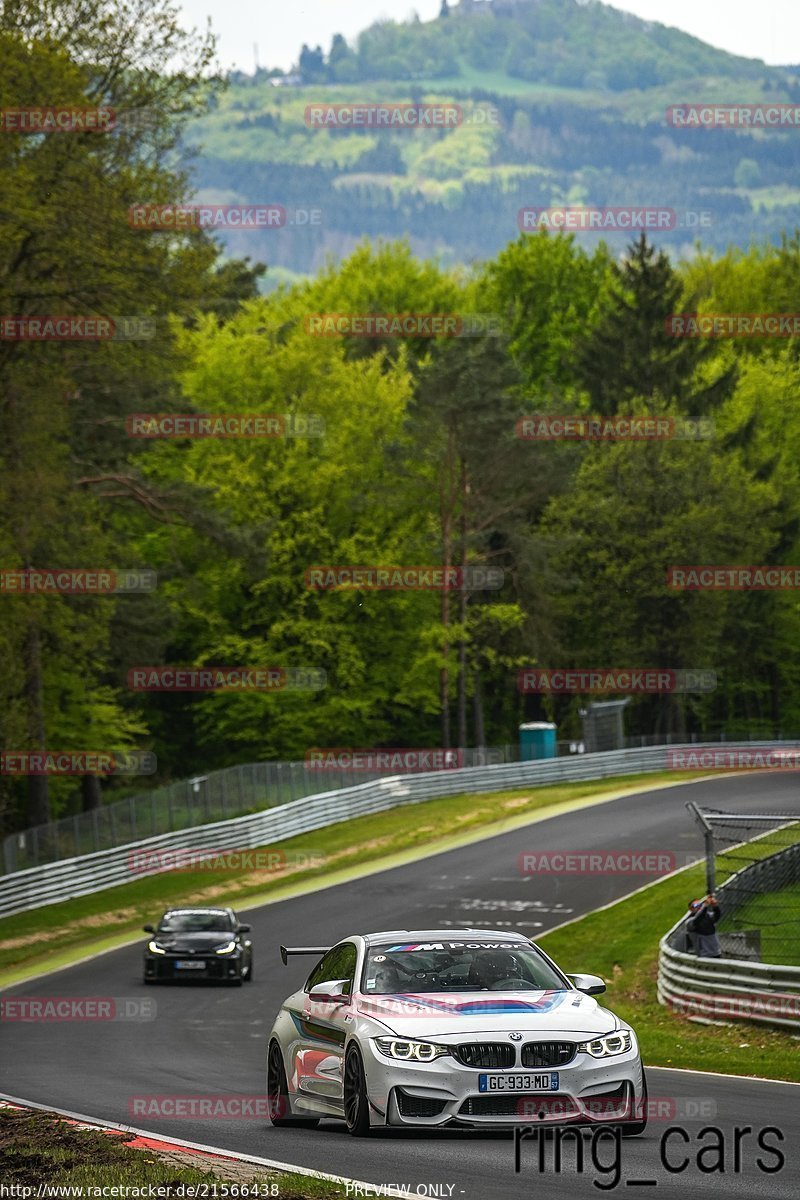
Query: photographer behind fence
point(702, 925)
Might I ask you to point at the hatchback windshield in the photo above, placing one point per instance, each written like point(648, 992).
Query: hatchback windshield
point(458, 967)
point(195, 922)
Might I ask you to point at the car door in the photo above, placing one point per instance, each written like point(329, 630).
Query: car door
point(322, 1029)
point(242, 929)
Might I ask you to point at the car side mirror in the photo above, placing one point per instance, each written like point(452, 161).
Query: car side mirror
point(591, 985)
point(336, 991)
point(244, 929)
point(148, 929)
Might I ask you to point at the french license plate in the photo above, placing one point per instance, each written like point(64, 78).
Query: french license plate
point(548, 1082)
point(190, 964)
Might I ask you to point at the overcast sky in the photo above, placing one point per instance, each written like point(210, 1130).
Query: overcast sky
point(768, 29)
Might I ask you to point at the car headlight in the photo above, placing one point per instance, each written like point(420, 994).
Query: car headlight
point(408, 1051)
point(228, 948)
point(154, 948)
point(613, 1043)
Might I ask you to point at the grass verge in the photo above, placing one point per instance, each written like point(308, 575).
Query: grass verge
point(768, 913)
point(41, 1148)
point(57, 934)
point(620, 943)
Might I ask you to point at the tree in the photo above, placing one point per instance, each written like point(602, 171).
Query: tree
point(548, 291)
point(342, 61)
point(629, 353)
point(463, 417)
point(312, 64)
point(636, 509)
point(67, 248)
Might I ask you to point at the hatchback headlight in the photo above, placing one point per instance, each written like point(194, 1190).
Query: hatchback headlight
point(406, 1051)
point(613, 1043)
point(228, 948)
point(154, 948)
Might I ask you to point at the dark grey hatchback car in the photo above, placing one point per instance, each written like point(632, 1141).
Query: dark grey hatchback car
point(199, 944)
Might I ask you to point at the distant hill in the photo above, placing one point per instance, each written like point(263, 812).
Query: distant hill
point(564, 103)
point(563, 42)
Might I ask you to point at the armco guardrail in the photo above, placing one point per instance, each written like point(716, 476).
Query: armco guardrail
point(37, 886)
point(185, 803)
point(729, 988)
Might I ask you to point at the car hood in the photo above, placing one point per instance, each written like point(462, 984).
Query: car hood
point(449, 1016)
point(189, 943)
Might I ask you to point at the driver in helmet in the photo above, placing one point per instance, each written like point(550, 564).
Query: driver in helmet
point(490, 966)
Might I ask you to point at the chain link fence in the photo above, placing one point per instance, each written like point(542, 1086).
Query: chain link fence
point(230, 792)
point(754, 861)
point(201, 800)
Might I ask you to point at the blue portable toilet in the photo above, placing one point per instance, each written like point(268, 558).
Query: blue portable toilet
point(537, 739)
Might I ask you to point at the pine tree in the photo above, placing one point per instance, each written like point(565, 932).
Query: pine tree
point(630, 355)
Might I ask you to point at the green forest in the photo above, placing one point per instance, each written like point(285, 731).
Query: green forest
point(414, 459)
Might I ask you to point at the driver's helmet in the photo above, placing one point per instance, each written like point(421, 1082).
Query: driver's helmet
point(491, 965)
point(387, 980)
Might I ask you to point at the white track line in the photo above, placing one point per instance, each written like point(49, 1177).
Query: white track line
point(725, 1075)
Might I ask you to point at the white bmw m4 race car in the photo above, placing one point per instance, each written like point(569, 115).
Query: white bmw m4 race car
point(457, 1027)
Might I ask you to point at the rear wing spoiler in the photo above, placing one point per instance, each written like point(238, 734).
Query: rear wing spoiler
point(287, 950)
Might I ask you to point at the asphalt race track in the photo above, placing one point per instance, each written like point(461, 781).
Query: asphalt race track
point(208, 1040)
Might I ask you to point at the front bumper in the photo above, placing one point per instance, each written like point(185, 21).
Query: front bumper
point(590, 1092)
point(163, 967)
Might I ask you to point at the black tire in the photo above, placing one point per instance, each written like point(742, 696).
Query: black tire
point(634, 1128)
point(237, 982)
point(278, 1094)
point(356, 1103)
point(249, 976)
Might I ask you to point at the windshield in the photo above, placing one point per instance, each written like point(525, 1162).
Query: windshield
point(458, 967)
point(195, 922)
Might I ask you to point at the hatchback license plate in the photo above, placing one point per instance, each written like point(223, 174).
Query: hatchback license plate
point(183, 964)
point(547, 1082)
